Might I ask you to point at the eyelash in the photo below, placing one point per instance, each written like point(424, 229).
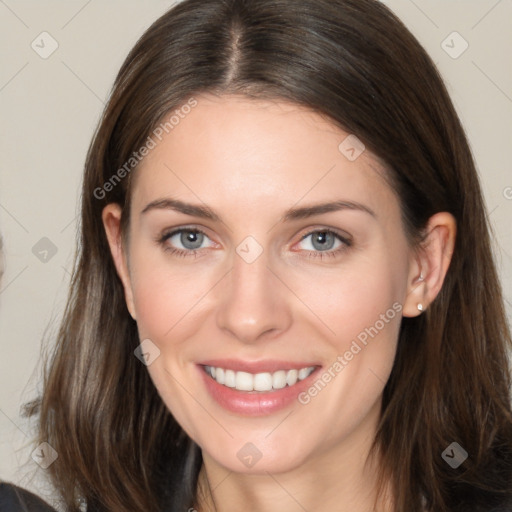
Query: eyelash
point(346, 243)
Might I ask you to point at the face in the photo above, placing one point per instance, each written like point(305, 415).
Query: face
point(260, 252)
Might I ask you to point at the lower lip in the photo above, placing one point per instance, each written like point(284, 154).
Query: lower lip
point(254, 403)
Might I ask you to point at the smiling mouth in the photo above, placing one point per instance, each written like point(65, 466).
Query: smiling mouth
point(258, 382)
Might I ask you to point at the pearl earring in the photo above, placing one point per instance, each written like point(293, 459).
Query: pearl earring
point(420, 306)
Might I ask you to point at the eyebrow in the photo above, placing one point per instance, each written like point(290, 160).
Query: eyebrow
point(195, 210)
point(304, 212)
point(319, 209)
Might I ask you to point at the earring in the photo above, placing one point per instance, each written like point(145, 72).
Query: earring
point(421, 278)
point(420, 306)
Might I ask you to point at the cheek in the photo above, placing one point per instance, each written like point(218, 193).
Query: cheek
point(359, 295)
point(361, 312)
point(359, 306)
point(165, 293)
point(167, 297)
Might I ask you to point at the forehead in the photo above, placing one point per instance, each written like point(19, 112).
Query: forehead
point(259, 153)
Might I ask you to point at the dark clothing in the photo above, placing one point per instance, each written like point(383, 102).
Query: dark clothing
point(16, 499)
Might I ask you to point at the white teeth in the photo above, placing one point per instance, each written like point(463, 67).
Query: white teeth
point(262, 382)
point(229, 378)
point(279, 379)
point(303, 373)
point(291, 377)
point(218, 374)
point(244, 381)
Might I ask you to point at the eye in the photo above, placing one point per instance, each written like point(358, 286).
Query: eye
point(184, 241)
point(324, 242)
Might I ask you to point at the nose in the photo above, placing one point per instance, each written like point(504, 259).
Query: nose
point(253, 302)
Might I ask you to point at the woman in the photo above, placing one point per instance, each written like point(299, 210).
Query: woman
point(285, 296)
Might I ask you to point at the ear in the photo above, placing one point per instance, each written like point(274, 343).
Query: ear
point(430, 263)
point(111, 217)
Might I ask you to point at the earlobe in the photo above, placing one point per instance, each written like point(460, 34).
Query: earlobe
point(430, 264)
point(111, 217)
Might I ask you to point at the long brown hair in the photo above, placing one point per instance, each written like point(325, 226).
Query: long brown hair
point(353, 61)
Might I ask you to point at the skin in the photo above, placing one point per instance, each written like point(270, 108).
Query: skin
point(263, 158)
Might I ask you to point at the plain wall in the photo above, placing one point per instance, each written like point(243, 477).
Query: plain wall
point(50, 107)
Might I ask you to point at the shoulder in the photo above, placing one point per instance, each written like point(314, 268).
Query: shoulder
point(494, 503)
point(503, 506)
point(16, 499)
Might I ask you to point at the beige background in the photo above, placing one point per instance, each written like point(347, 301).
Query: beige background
point(50, 108)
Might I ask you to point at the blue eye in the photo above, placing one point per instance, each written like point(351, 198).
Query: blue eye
point(321, 241)
point(324, 242)
point(189, 242)
point(184, 241)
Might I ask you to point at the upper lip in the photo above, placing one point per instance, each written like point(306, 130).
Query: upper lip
point(263, 366)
